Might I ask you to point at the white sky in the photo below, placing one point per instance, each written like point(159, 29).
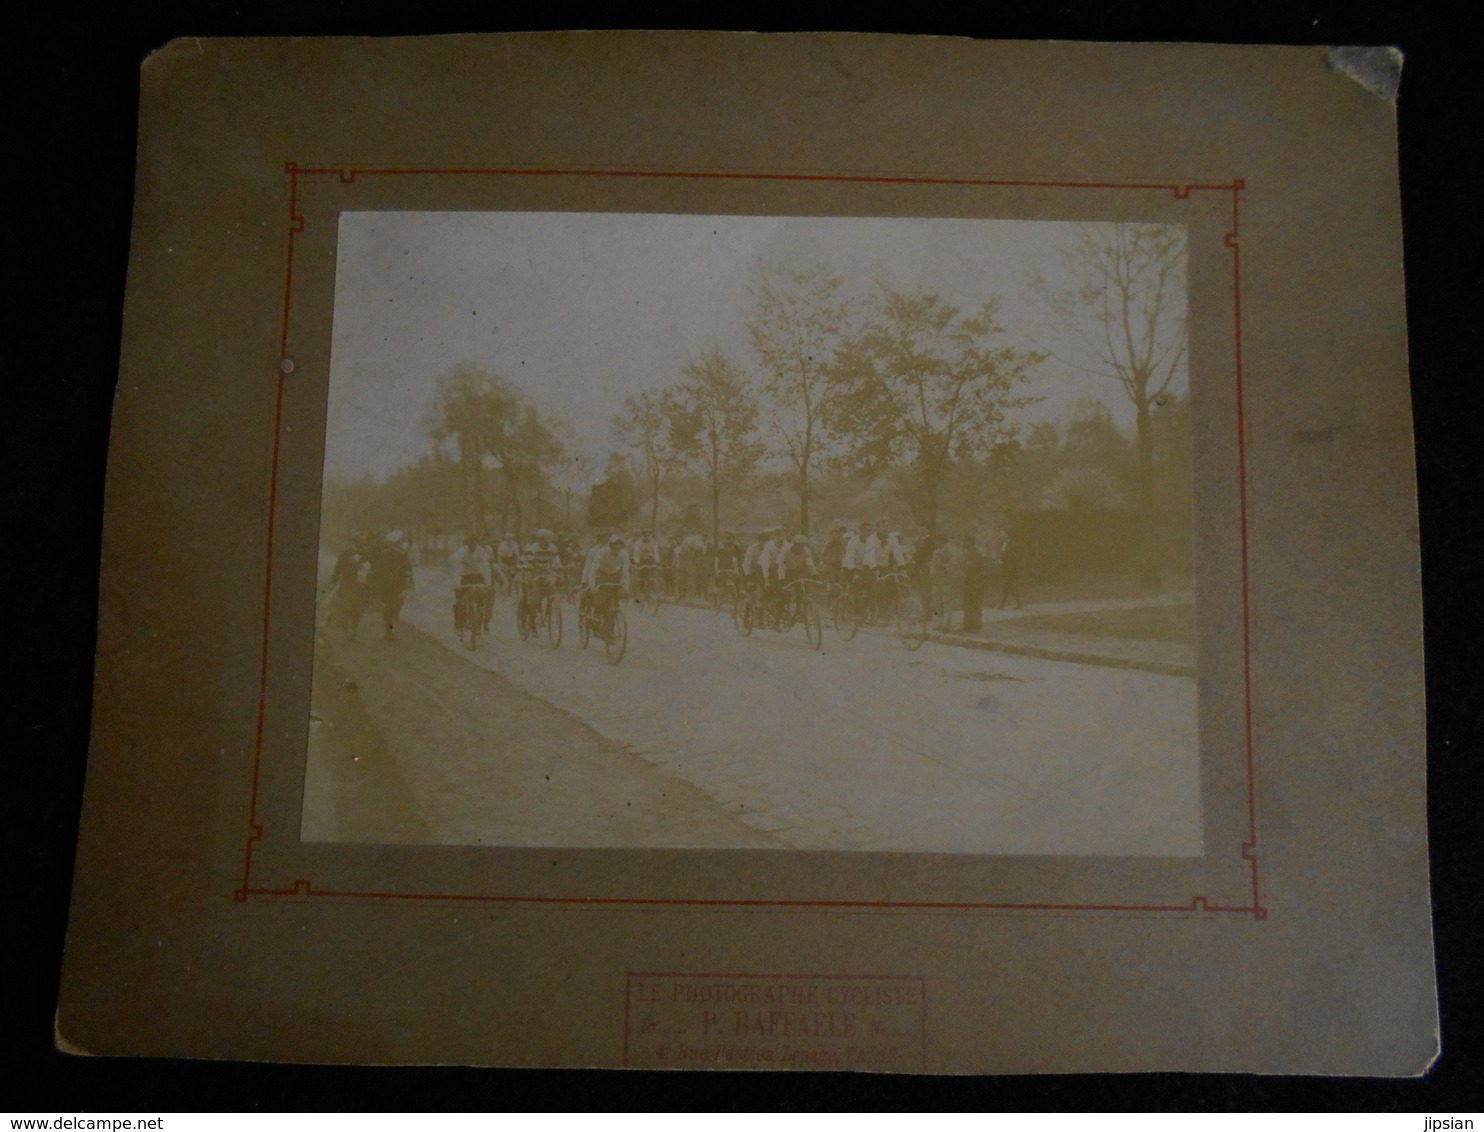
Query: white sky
point(584, 309)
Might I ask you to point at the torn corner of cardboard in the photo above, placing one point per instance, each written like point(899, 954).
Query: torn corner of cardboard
point(62, 1043)
point(1378, 69)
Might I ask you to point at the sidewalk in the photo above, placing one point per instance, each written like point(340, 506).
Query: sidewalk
point(1001, 633)
point(1004, 632)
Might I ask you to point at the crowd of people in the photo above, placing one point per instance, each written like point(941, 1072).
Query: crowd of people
point(375, 569)
point(951, 575)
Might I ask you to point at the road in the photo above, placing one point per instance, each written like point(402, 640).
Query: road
point(863, 745)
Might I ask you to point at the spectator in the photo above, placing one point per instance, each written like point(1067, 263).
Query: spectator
point(1010, 573)
point(975, 583)
point(948, 582)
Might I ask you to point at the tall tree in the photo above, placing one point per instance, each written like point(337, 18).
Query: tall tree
point(491, 424)
point(720, 412)
point(466, 402)
point(656, 427)
point(523, 446)
point(1126, 310)
point(926, 385)
point(799, 320)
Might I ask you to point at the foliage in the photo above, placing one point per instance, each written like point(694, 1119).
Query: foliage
point(1128, 310)
point(488, 419)
point(655, 425)
point(718, 411)
point(926, 386)
point(800, 319)
point(1082, 488)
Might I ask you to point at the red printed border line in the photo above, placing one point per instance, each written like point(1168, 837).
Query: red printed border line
point(1179, 190)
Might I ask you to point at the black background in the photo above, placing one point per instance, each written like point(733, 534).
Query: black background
point(73, 120)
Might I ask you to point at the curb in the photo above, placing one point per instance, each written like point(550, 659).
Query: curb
point(1038, 652)
point(1072, 656)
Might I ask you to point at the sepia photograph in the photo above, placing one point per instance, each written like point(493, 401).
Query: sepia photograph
point(760, 532)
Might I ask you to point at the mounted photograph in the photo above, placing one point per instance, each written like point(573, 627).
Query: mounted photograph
point(645, 530)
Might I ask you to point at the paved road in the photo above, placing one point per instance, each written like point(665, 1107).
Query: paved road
point(868, 746)
point(409, 744)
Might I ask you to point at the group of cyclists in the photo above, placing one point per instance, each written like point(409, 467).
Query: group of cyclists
point(869, 564)
point(853, 558)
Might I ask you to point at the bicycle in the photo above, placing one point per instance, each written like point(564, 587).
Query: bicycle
point(724, 591)
point(905, 609)
point(539, 608)
point(603, 619)
point(650, 586)
point(468, 612)
point(850, 607)
point(782, 609)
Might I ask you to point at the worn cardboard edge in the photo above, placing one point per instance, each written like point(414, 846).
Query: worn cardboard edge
point(1377, 69)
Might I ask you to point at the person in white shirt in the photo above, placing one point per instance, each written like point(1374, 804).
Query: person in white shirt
point(859, 554)
point(767, 557)
point(470, 566)
point(607, 567)
point(768, 561)
point(894, 554)
point(646, 550)
point(796, 560)
point(507, 557)
point(607, 558)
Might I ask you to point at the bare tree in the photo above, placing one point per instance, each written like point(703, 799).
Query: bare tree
point(720, 429)
point(1127, 311)
point(649, 425)
point(925, 385)
point(799, 320)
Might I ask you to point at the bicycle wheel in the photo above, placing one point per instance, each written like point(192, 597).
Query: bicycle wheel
point(912, 625)
point(618, 638)
point(847, 624)
point(746, 614)
point(654, 596)
point(584, 626)
point(522, 621)
point(554, 622)
point(813, 624)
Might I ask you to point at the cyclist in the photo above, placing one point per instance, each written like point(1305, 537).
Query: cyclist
point(470, 566)
point(795, 561)
point(767, 565)
point(647, 560)
point(726, 567)
point(864, 560)
point(607, 566)
point(726, 559)
point(508, 557)
point(893, 554)
point(750, 573)
point(832, 554)
point(540, 562)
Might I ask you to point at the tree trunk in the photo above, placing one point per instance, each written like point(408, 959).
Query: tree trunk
point(479, 489)
point(804, 498)
point(933, 468)
point(1148, 567)
point(473, 500)
point(715, 510)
